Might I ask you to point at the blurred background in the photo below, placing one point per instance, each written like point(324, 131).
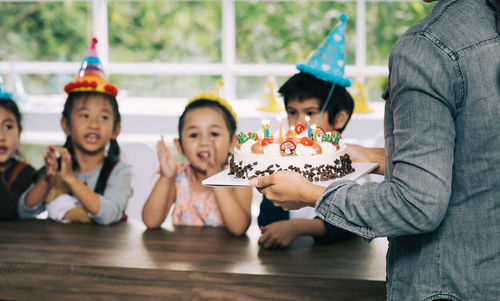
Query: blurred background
point(161, 53)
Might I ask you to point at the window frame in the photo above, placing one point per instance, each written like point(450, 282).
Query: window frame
point(228, 68)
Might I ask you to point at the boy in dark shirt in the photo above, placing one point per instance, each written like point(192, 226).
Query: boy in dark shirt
point(15, 176)
point(305, 95)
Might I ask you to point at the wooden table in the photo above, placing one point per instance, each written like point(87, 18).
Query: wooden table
point(44, 260)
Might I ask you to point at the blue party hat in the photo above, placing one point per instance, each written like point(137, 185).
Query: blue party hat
point(18, 92)
point(4, 95)
point(328, 61)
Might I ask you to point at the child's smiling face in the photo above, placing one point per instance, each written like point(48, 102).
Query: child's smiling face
point(91, 125)
point(9, 135)
point(205, 128)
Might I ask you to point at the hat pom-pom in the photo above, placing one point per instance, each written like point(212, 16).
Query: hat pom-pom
point(92, 44)
point(343, 18)
point(110, 89)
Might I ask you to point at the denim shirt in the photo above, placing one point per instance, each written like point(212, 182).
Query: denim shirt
point(439, 204)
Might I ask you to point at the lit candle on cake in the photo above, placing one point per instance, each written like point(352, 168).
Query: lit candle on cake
point(308, 127)
point(313, 129)
point(266, 128)
point(281, 128)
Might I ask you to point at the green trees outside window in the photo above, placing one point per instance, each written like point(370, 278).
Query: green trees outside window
point(283, 32)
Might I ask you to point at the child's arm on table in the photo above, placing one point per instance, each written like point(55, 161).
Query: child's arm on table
point(281, 234)
point(234, 203)
point(162, 196)
point(333, 234)
point(37, 193)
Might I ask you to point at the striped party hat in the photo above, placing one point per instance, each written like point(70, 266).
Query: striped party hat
point(91, 76)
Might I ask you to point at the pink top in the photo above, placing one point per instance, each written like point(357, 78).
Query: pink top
point(194, 208)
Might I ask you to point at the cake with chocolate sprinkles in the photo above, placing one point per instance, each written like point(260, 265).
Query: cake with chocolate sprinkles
point(316, 154)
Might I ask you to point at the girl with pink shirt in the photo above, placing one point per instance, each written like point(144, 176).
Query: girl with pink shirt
point(206, 137)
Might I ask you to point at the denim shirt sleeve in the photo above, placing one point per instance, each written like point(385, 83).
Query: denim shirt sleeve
point(114, 201)
point(419, 144)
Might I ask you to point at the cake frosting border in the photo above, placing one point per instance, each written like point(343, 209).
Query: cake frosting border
point(322, 167)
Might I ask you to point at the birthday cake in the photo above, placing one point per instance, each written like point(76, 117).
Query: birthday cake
point(316, 154)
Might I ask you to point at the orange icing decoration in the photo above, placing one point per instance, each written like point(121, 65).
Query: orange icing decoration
point(266, 141)
point(306, 141)
point(299, 128)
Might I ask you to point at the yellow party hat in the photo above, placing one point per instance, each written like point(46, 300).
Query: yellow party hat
point(215, 96)
point(361, 102)
point(269, 101)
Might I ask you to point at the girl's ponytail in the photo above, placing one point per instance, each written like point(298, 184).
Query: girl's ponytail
point(108, 165)
point(69, 146)
point(113, 151)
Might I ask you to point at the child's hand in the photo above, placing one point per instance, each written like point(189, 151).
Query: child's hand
point(67, 174)
point(168, 167)
point(50, 159)
point(214, 165)
point(278, 234)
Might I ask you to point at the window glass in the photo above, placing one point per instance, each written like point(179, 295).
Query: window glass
point(252, 87)
point(45, 84)
point(44, 31)
point(288, 31)
point(166, 31)
point(172, 86)
point(386, 22)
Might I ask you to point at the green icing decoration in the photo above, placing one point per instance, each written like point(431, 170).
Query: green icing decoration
point(326, 137)
point(336, 138)
point(242, 138)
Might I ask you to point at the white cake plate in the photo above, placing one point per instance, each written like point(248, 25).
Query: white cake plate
point(223, 179)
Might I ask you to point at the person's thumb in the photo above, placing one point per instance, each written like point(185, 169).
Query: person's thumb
point(261, 181)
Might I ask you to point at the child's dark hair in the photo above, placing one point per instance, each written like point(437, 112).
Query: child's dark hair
point(208, 103)
point(114, 150)
point(11, 106)
point(303, 86)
